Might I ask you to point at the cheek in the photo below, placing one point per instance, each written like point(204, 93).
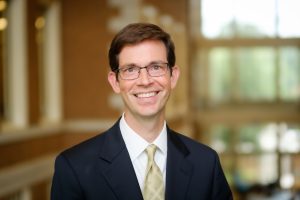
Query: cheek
point(125, 88)
point(168, 83)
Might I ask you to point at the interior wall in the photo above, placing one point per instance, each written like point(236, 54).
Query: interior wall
point(177, 10)
point(85, 65)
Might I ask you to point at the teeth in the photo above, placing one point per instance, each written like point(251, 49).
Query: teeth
point(145, 95)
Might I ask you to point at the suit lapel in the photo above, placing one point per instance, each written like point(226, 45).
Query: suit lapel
point(179, 169)
point(118, 170)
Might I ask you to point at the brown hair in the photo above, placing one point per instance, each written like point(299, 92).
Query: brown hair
point(136, 33)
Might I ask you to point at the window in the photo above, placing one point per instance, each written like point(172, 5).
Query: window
point(250, 18)
point(246, 87)
point(253, 148)
point(235, 72)
point(289, 67)
point(250, 50)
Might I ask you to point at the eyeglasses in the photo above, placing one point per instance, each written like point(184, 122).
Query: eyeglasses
point(132, 72)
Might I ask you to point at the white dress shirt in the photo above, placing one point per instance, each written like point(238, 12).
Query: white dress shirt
point(136, 146)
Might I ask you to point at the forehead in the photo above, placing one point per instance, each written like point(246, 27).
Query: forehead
point(143, 53)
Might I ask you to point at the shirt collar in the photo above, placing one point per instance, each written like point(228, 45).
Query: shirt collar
point(136, 144)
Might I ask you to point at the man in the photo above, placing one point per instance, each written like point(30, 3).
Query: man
point(140, 157)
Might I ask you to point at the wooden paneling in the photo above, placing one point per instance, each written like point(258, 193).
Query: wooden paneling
point(21, 151)
point(33, 62)
point(40, 190)
point(85, 63)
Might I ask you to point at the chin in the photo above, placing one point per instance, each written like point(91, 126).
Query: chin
point(150, 113)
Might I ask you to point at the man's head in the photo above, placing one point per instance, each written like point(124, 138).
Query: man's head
point(143, 70)
point(136, 33)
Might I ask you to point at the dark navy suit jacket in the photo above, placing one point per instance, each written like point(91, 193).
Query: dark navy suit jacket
point(100, 169)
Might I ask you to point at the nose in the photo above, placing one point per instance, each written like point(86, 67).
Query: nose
point(144, 77)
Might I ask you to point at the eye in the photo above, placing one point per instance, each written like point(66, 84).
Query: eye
point(155, 67)
point(130, 69)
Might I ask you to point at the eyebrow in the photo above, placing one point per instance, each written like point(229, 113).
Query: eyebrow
point(136, 65)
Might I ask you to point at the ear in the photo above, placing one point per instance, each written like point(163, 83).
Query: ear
point(114, 83)
point(175, 76)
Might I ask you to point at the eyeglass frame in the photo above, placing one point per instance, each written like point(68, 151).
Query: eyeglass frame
point(165, 64)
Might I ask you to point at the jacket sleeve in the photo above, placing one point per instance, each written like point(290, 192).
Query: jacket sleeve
point(65, 184)
point(221, 189)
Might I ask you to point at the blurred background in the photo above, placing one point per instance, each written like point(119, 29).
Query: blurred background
point(239, 90)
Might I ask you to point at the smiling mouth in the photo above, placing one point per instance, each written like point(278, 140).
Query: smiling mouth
point(146, 95)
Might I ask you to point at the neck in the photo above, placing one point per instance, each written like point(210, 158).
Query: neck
point(147, 128)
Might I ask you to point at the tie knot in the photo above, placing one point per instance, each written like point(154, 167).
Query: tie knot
point(151, 151)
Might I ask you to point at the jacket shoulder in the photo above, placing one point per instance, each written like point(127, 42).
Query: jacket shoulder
point(89, 148)
point(192, 146)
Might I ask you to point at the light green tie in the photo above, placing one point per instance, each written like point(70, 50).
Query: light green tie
point(154, 184)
